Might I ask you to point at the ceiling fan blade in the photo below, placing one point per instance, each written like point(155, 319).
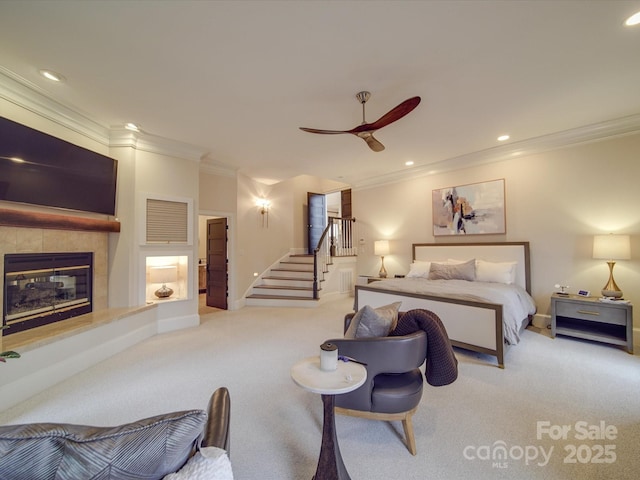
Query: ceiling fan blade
point(395, 113)
point(325, 132)
point(374, 144)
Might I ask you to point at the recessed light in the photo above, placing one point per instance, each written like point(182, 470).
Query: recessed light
point(503, 138)
point(51, 75)
point(408, 163)
point(633, 20)
point(132, 126)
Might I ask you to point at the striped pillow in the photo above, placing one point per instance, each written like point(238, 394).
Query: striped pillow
point(146, 449)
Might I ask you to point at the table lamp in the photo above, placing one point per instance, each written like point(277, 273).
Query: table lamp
point(611, 247)
point(381, 247)
point(163, 275)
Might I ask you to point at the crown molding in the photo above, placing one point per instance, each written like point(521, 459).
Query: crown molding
point(31, 97)
point(576, 136)
point(219, 170)
point(122, 137)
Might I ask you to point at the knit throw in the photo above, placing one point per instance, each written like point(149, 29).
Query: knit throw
point(441, 362)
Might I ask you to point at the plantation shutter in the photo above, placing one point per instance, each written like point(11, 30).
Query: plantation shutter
point(167, 221)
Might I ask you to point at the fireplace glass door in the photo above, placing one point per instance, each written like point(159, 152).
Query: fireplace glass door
point(45, 288)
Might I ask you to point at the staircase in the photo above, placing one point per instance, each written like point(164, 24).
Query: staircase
point(290, 284)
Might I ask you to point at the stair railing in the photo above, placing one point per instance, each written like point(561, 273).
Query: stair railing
point(337, 240)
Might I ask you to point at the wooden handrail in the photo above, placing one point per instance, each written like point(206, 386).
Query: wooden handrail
point(322, 246)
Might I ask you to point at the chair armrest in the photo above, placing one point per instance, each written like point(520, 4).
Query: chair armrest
point(216, 432)
point(385, 354)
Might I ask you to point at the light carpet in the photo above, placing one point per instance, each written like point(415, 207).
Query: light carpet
point(483, 426)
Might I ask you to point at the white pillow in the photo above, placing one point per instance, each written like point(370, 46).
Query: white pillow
point(497, 272)
point(419, 269)
point(209, 463)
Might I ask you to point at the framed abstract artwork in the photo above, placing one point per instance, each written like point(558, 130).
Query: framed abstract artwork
point(473, 209)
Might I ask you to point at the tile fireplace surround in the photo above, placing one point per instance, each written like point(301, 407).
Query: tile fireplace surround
point(37, 240)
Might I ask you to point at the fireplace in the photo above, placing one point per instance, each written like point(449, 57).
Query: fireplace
point(43, 288)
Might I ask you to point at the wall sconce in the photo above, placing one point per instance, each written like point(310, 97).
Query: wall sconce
point(612, 247)
point(263, 206)
point(163, 275)
point(381, 247)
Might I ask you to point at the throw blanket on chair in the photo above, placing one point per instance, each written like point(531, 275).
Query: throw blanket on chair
point(442, 364)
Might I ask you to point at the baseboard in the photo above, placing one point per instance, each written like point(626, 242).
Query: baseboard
point(177, 323)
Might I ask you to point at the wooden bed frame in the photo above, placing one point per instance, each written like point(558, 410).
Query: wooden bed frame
point(484, 333)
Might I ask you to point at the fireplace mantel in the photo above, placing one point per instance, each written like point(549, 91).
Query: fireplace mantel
point(19, 218)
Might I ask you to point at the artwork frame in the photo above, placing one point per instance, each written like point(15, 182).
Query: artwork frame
point(471, 209)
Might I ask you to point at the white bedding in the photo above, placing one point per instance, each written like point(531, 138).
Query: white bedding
point(517, 303)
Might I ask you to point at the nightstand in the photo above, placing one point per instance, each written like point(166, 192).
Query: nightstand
point(591, 319)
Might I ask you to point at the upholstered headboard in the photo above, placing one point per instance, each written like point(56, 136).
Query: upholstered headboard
point(491, 252)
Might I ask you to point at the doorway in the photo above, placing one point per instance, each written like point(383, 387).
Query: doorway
point(320, 207)
point(217, 276)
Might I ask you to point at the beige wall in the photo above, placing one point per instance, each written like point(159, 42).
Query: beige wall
point(556, 200)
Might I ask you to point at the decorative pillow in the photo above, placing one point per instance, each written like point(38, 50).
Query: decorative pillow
point(210, 463)
point(370, 322)
point(419, 269)
point(497, 272)
point(460, 271)
point(149, 448)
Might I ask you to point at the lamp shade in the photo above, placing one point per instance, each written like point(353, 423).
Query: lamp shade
point(612, 247)
point(381, 247)
point(165, 274)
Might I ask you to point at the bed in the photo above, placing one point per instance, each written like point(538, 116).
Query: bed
point(482, 316)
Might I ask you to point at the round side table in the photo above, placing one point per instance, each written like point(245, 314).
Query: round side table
point(346, 377)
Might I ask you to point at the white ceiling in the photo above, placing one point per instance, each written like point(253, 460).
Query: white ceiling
point(238, 78)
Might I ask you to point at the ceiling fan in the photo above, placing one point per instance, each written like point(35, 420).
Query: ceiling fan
point(366, 130)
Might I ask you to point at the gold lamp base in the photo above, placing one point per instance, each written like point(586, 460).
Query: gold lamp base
point(611, 289)
point(383, 271)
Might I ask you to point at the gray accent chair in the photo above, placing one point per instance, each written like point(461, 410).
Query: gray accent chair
point(394, 384)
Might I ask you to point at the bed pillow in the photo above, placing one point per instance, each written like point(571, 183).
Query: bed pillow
point(460, 271)
point(373, 322)
point(148, 448)
point(497, 272)
point(419, 269)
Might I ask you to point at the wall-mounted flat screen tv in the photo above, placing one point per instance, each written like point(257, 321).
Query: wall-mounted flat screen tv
point(40, 169)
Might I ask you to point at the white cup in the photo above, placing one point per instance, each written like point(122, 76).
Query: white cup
point(328, 357)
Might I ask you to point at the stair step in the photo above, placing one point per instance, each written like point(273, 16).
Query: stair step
point(296, 266)
point(287, 281)
point(280, 273)
point(283, 291)
point(280, 301)
point(304, 259)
